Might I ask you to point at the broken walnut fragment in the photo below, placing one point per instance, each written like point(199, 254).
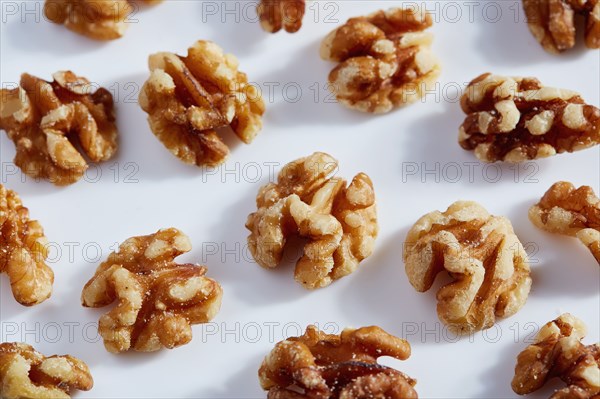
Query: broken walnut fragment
point(158, 299)
point(483, 256)
point(189, 98)
point(277, 14)
point(323, 366)
point(570, 211)
point(518, 119)
point(559, 353)
point(26, 373)
point(385, 60)
point(339, 221)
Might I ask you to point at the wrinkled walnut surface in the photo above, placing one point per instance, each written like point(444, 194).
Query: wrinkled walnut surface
point(570, 211)
point(482, 254)
point(323, 366)
point(275, 15)
point(158, 299)
point(25, 374)
point(23, 251)
point(516, 119)
point(559, 353)
point(384, 60)
point(49, 121)
point(188, 98)
point(339, 221)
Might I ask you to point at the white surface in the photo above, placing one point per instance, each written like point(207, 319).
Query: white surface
point(211, 206)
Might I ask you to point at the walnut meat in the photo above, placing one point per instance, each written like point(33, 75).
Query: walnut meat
point(559, 353)
point(323, 366)
point(23, 251)
point(277, 14)
point(385, 60)
point(482, 254)
point(48, 121)
point(516, 119)
point(96, 19)
point(552, 22)
point(25, 373)
point(339, 221)
point(158, 299)
point(189, 98)
point(569, 211)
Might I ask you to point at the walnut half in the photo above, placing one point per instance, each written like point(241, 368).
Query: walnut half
point(277, 14)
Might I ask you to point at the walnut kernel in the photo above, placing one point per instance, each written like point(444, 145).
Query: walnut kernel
point(277, 14)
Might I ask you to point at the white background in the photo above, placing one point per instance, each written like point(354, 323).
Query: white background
point(153, 189)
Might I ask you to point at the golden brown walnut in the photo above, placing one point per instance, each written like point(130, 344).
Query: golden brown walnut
point(48, 121)
point(324, 366)
point(559, 353)
point(277, 14)
point(338, 221)
point(481, 253)
point(96, 19)
point(158, 299)
point(552, 22)
point(385, 60)
point(189, 98)
point(23, 251)
point(26, 373)
point(569, 211)
point(516, 119)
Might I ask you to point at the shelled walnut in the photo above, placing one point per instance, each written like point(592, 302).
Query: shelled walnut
point(552, 22)
point(26, 373)
point(385, 60)
point(339, 221)
point(48, 121)
point(23, 251)
point(188, 98)
point(277, 14)
point(158, 299)
point(516, 119)
point(96, 19)
point(481, 253)
point(559, 353)
point(569, 211)
point(323, 366)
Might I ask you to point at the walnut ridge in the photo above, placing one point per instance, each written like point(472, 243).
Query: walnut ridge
point(384, 60)
point(483, 255)
point(158, 299)
point(519, 119)
point(189, 98)
point(323, 366)
point(339, 221)
point(275, 15)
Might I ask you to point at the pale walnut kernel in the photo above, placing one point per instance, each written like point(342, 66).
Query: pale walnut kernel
point(482, 254)
point(189, 98)
point(158, 299)
point(277, 14)
point(570, 211)
point(49, 121)
point(339, 221)
point(552, 22)
point(23, 251)
point(25, 373)
point(318, 365)
point(385, 60)
point(518, 119)
point(559, 353)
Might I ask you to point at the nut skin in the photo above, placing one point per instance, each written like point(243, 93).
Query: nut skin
point(47, 121)
point(571, 211)
point(481, 253)
point(384, 60)
point(23, 251)
point(25, 373)
point(558, 353)
point(338, 220)
point(518, 119)
point(325, 366)
point(188, 99)
point(275, 15)
point(158, 299)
